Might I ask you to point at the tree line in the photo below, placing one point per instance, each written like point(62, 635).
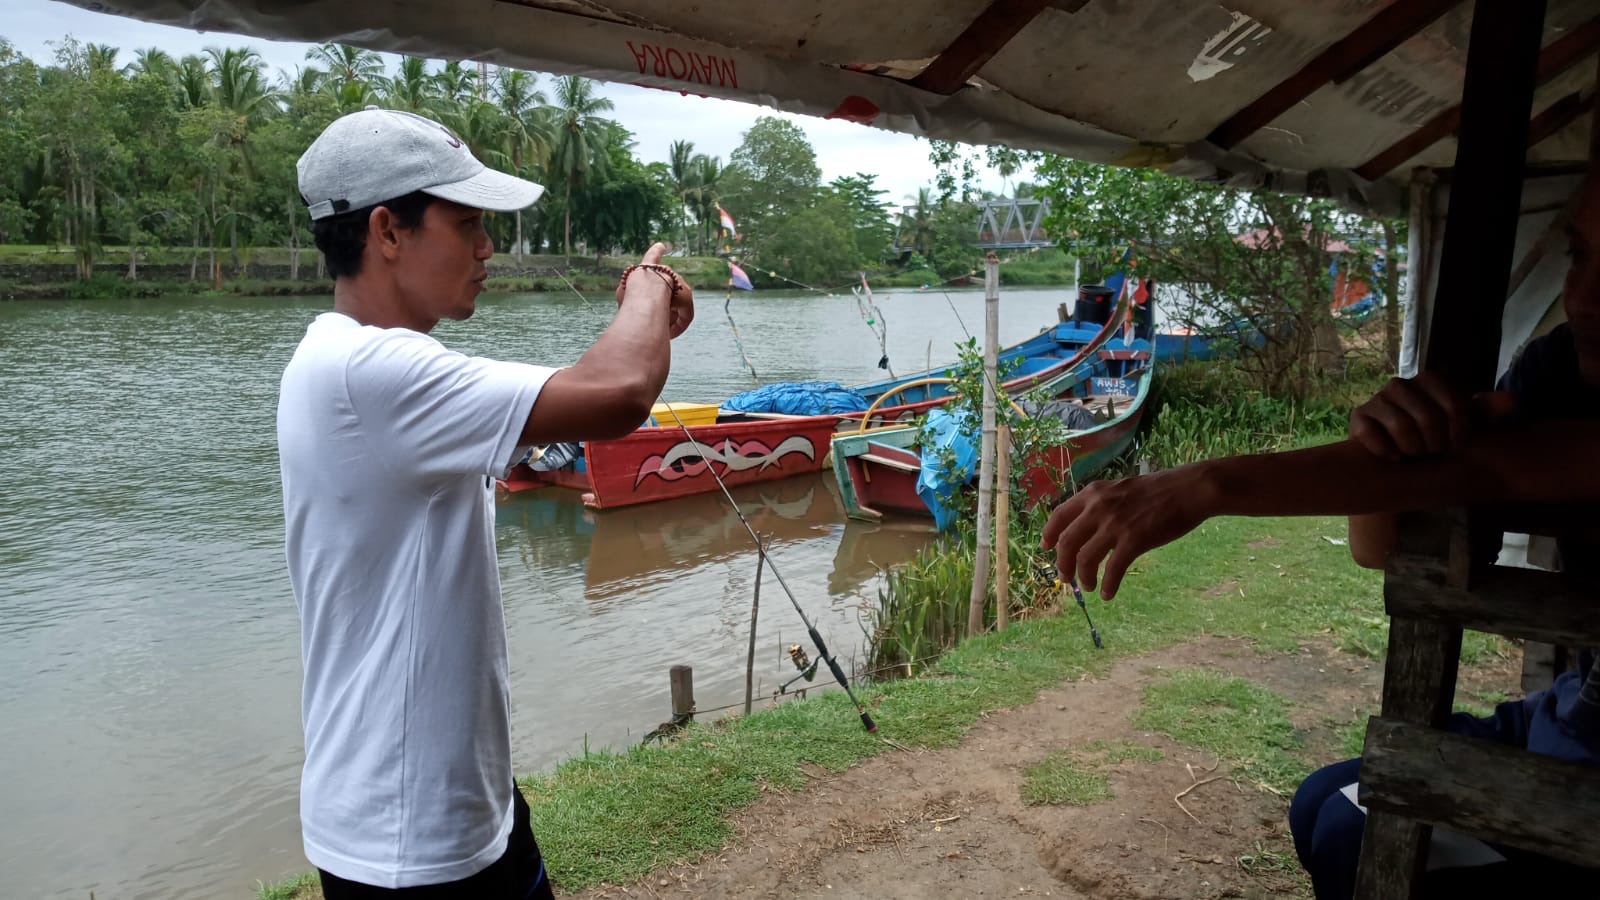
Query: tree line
point(101, 148)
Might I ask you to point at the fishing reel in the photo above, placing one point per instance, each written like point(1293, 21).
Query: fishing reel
point(1046, 576)
point(804, 664)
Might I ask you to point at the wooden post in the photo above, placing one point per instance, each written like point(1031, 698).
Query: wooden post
point(750, 659)
point(991, 342)
point(1464, 345)
point(682, 678)
point(1486, 191)
point(1002, 528)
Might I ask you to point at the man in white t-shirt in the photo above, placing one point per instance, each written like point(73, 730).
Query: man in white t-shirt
point(389, 444)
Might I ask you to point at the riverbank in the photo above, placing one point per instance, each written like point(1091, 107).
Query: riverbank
point(1244, 597)
point(45, 273)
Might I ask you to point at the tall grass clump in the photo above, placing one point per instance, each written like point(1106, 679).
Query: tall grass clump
point(1209, 409)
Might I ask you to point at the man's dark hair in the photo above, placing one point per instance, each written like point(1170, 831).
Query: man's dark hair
point(342, 237)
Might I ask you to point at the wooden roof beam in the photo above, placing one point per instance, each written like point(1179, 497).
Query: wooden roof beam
point(1391, 27)
point(1557, 116)
point(1562, 54)
point(988, 33)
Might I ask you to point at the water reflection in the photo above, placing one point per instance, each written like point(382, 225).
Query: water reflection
point(641, 548)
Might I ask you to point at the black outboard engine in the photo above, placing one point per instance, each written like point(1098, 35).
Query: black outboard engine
point(1094, 305)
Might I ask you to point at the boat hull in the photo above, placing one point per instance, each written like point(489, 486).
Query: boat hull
point(664, 463)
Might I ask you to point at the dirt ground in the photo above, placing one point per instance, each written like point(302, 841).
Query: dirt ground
point(951, 823)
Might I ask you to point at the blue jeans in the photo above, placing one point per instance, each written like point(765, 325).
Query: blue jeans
point(1327, 830)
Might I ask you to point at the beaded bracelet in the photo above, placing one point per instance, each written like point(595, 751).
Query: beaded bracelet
point(666, 273)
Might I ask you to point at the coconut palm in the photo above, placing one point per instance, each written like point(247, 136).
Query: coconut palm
point(151, 61)
point(916, 222)
point(100, 57)
point(457, 83)
point(681, 171)
point(705, 193)
point(192, 77)
point(527, 131)
point(239, 88)
point(352, 74)
point(579, 138)
point(345, 63)
point(412, 88)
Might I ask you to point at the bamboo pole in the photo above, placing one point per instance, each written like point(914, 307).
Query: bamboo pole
point(1002, 528)
point(991, 340)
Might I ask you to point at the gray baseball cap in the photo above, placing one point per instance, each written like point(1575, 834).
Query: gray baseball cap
point(374, 155)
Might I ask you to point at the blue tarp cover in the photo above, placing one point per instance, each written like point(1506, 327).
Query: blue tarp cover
point(944, 431)
point(799, 398)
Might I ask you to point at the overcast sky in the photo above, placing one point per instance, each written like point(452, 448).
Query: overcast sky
point(656, 118)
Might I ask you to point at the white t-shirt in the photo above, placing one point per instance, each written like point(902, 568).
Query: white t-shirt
point(388, 443)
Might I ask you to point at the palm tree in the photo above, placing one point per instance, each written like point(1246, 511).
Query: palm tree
point(240, 85)
point(193, 80)
point(705, 193)
point(527, 131)
point(346, 63)
point(100, 57)
point(481, 127)
point(352, 74)
point(305, 80)
point(916, 222)
point(157, 63)
point(412, 88)
point(456, 82)
point(680, 168)
point(240, 88)
point(151, 61)
point(580, 138)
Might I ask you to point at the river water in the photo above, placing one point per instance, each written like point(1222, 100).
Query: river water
point(150, 739)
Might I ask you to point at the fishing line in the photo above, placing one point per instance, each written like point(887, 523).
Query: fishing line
point(811, 629)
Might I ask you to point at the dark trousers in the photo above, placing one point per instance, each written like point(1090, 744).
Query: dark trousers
point(1327, 831)
point(517, 875)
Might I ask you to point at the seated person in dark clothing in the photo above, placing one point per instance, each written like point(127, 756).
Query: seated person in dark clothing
point(1417, 445)
point(1544, 382)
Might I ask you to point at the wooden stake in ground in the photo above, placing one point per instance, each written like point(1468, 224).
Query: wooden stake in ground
point(1002, 528)
point(750, 660)
point(991, 342)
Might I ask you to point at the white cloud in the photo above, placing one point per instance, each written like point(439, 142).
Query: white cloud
point(657, 118)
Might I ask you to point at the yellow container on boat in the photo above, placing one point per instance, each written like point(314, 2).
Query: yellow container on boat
point(688, 414)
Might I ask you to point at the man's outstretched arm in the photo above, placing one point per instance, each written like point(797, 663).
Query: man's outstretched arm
point(1115, 522)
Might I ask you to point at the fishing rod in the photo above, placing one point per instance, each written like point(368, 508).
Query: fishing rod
point(816, 639)
point(823, 654)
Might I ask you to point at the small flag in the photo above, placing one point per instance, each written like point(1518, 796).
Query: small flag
point(736, 275)
point(727, 221)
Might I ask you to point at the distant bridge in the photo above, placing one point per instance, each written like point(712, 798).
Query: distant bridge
point(1001, 225)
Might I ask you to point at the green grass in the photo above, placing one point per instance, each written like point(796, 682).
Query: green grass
point(1238, 722)
point(1351, 736)
point(297, 888)
point(614, 815)
point(1058, 779)
point(1075, 777)
point(1271, 862)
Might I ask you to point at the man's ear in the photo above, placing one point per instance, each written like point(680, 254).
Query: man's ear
point(383, 232)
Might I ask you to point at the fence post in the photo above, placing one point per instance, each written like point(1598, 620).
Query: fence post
point(682, 678)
